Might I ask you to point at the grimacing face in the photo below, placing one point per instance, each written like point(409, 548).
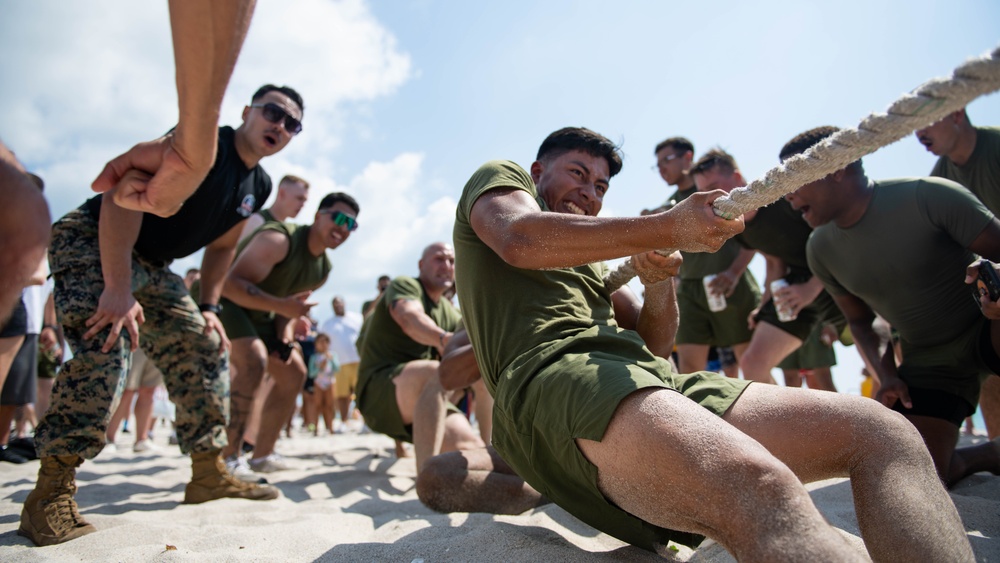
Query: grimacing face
point(264, 137)
point(437, 266)
point(574, 182)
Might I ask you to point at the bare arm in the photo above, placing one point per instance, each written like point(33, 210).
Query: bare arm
point(458, 367)
point(25, 227)
point(255, 263)
point(860, 317)
point(251, 225)
point(510, 222)
point(656, 318)
point(207, 38)
point(410, 316)
point(725, 282)
point(215, 263)
point(118, 230)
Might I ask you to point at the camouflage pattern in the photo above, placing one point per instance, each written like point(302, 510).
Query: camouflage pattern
point(91, 383)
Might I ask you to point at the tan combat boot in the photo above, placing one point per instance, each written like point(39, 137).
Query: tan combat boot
point(210, 480)
point(50, 515)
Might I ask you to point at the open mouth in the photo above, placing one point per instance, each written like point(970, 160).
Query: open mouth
point(271, 140)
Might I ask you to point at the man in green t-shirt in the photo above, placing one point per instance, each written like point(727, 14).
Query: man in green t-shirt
point(970, 156)
point(779, 234)
point(901, 248)
point(400, 349)
point(595, 420)
point(264, 295)
point(701, 325)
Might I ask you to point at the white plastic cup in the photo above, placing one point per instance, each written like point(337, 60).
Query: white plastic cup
point(716, 302)
point(785, 313)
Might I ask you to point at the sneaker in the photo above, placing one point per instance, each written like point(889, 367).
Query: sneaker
point(340, 428)
point(269, 464)
point(24, 447)
point(238, 467)
point(11, 456)
point(145, 447)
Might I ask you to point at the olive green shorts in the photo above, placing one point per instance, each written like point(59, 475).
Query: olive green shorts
point(376, 398)
point(699, 325)
point(538, 417)
point(958, 366)
point(812, 354)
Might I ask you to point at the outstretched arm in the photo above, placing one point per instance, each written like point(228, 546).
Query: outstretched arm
point(207, 38)
point(510, 222)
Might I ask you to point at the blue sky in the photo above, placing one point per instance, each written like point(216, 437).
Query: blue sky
point(405, 99)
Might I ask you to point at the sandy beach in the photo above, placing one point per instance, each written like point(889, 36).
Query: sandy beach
point(348, 498)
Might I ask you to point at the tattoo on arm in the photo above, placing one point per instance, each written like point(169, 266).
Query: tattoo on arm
point(253, 290)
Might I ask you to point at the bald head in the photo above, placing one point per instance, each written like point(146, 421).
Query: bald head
point(437, 267)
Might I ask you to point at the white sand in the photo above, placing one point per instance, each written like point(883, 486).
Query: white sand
point(348, 499)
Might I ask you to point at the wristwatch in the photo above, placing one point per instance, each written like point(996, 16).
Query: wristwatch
point(210, 308)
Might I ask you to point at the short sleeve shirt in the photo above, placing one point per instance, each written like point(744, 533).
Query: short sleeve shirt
point(906, 257)
point(981, 173)
point(229, 194)
point(385, 343)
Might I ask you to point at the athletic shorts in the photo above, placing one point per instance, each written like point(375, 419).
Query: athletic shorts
point(238, 324)
point(21, 385)
point(346, 381)
point(699, 325)
point(142, 373)
point(958, 366)
point(17, 324)
point(377, 403)
point(538, 417)
point(812, 354)
point(936, 404)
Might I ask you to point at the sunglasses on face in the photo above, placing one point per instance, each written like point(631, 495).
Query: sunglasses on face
point(340, 219)
point(274, 113)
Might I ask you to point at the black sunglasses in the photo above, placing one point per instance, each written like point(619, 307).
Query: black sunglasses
point(274, 113)
point(340, 219)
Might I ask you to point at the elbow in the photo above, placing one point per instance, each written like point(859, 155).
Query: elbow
point(518, 251)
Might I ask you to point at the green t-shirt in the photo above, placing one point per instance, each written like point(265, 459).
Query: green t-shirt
point(780, 231)
point(518, 319)
point(384, 343)
point(906, 257)
point(299, 271)
point(981, 174)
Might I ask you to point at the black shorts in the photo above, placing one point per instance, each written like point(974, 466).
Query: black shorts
point(936, 404)
point(22, 380)
point(17, 325)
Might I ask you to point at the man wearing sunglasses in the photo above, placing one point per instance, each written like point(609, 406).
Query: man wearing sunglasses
point(265, 293)
point(111, 271)
point(401, 347)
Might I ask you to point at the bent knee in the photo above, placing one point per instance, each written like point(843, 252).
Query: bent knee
point(437, 483)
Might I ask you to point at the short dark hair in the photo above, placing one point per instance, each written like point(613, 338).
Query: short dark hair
point(384, 277)
point(807, 139)
point(579, 138)
point(679, 144)
point(286, 90)
point(292, 178)
point(330, 199)
point(715, 158)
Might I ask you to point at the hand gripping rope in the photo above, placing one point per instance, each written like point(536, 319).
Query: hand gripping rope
point(924, 106)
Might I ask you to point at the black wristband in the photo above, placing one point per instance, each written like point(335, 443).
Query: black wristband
point(209, 308)
point(53, 327)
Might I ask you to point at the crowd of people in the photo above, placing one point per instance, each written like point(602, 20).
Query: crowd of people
point(538, 384)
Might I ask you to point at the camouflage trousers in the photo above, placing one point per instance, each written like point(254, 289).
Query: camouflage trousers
point(173, 337)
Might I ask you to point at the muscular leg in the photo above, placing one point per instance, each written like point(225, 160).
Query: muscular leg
point(892, 475)
point(768, 346)
point(672, 463)
point(692, 357)
point(989, 405)
point(249, 357)
point(484, 411)
point(121, 414)
point(433, 430)
point(821, 379)
point(279, 406)
point(476, 480)
point(792, 378)
point(143, 412)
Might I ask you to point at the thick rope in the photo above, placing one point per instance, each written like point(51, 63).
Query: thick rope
point(924, 106)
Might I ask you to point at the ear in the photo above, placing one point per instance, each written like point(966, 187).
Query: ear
point(688, 158)
point(838, 176)
point(246, 111)
point(740, 180)
point(536, 171)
